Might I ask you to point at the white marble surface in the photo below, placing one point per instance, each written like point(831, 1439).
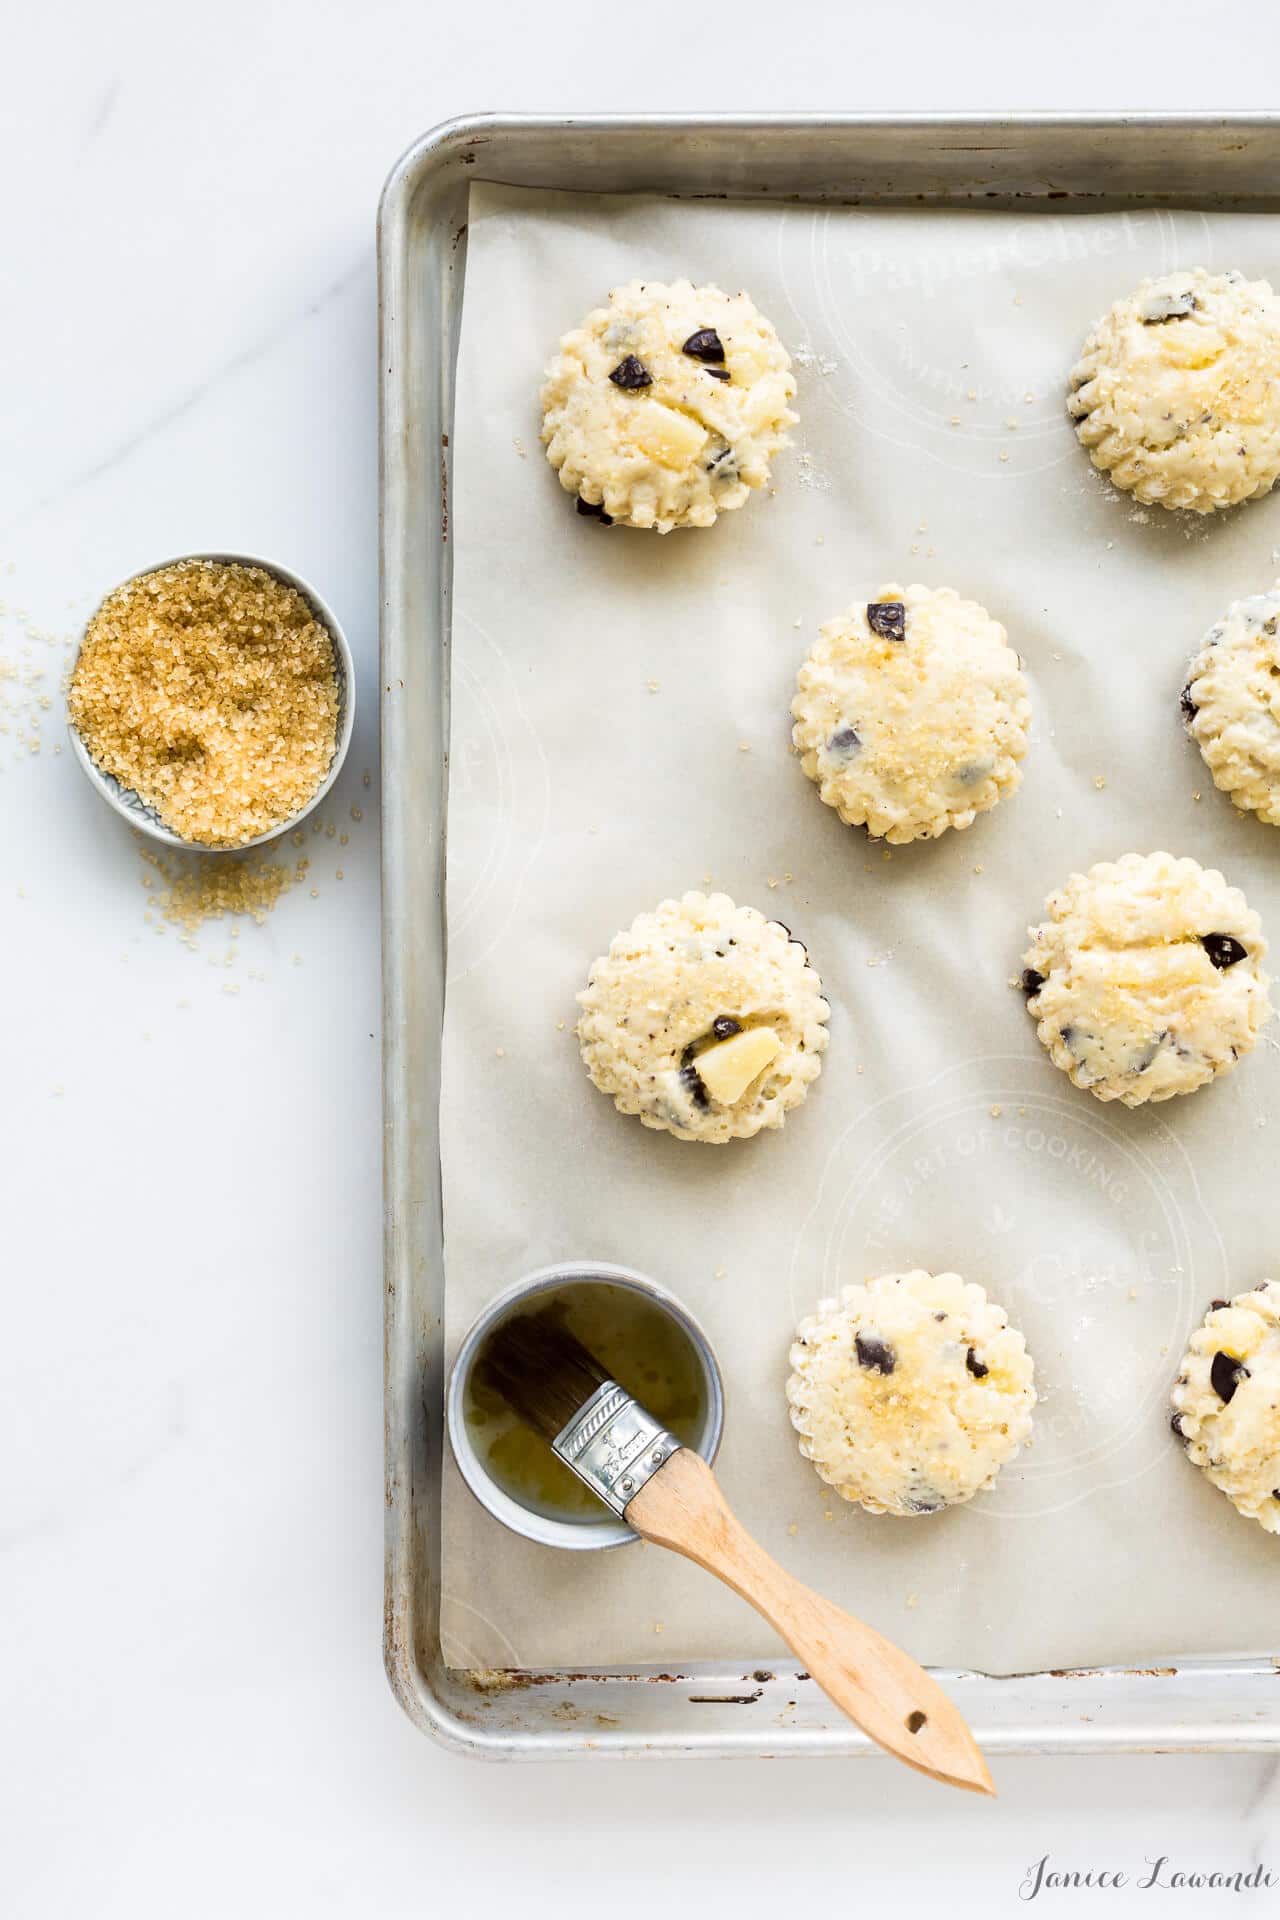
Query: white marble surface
point(193, 1716)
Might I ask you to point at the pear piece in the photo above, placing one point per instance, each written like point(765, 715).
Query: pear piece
point(727, 1069)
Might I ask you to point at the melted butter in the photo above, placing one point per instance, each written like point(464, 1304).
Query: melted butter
point(637, 1345)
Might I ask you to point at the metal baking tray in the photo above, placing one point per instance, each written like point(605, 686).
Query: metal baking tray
point(1023, 162)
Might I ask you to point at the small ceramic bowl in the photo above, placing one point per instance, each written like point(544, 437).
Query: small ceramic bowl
point(131, 807)
point(590, 1533)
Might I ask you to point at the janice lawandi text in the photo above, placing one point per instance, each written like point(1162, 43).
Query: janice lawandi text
point(1042, 1876)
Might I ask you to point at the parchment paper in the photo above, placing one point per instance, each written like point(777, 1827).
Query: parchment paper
point(621, 733)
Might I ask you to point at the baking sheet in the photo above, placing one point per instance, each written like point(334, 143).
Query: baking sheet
point(605, 686)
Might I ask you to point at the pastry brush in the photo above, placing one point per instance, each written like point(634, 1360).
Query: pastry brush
point(669, 1495)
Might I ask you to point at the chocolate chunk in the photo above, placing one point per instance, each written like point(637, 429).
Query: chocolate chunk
point(922, 1503)
point(1225, 1375)
point(1215, 1306)
point(874, 1354)
point(1148, 1054)
point(593, 510)
point(975, 1366)
point(1188, 705)
point(1159, 307)
point(704, 345)
point(1031, 981)
point(888, 618)
point(724, 1024)
point(697, 1092)
point(1176, 1425)
point(630, 374)
point(844, 740)
point(718, 373)
point(1223, 950)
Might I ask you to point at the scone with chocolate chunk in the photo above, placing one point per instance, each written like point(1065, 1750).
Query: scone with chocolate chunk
point(1177, 392)
point(665, 408)
point(1231, 704)
point(705, 1019)
point(1226, 1403)
point(911, 713)
point(910, 1392)
point(1145, 977)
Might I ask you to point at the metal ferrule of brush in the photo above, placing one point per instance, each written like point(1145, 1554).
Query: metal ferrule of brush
point(613, 1445)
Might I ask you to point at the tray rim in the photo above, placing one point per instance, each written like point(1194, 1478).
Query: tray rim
point(1228, 1704)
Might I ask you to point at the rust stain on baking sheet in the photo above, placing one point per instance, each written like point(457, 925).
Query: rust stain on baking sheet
point(514, 1680)
point(726, 1699)
point(1104, 1673)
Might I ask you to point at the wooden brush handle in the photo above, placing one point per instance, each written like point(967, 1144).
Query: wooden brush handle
point(882, 1689)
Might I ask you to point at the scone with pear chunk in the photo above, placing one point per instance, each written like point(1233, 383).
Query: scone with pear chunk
point(1145, 977)
point(705, 1019)
point(1177, 392)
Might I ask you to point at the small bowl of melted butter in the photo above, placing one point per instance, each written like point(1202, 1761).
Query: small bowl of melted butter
point(645, 1340)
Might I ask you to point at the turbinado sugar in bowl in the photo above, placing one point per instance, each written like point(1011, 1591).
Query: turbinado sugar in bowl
point(210, 689)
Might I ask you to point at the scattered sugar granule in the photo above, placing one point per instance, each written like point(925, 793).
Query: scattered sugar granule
point(996, 1112)
point(1099, 781)
point(195, 890)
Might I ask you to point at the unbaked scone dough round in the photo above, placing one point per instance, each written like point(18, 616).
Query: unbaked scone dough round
point(1145, 978)
point(1231, 704)
point(665, 408)
point(911, 713)
point(679, 1011)
point(1226, 1404)
point(1177, 392)
point(910, 1392)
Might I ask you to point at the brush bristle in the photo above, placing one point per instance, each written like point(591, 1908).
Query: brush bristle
point(543, 1373)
